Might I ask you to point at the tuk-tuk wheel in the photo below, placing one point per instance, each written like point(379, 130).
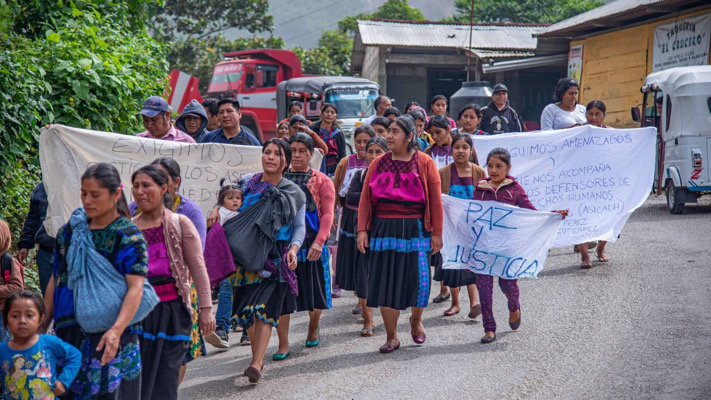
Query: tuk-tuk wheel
point(673, 205)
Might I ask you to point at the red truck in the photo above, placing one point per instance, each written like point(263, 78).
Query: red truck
point(252, 76)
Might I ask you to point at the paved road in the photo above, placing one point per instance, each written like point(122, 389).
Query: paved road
point(637, 327)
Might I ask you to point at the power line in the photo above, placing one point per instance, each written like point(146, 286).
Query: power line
point(308, 13)
point(325, 26)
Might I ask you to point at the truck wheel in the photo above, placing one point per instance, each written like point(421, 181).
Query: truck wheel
point(673, 205)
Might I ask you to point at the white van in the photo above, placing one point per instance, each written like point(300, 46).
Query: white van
point(678, 102)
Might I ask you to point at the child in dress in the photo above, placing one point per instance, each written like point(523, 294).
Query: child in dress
point(28, 362)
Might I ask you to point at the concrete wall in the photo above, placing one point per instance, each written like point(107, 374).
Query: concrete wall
point(615, 65)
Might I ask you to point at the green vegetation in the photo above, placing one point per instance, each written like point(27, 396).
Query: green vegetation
point(524, 11)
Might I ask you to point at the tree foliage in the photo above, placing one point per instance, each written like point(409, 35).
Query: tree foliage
point(85, 64)
point(523, 11)
point(203, 19)
point(391, 9)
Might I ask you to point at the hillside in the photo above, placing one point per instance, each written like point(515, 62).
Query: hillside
point(300, 22)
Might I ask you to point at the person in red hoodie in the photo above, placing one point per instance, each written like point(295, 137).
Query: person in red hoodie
point(502, 187)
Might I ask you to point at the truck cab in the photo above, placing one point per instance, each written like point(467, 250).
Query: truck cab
point(251, 77)
point(677, 102)
point(354, 98)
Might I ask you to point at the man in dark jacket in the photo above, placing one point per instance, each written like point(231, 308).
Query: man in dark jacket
point(498, 117)
point(193, 120)
point(33, 233)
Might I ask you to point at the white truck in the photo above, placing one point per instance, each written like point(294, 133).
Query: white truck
point(678, 102)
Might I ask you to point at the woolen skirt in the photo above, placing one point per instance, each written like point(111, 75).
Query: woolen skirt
point(264, 300)
point(452, 277)
point(398, 262)
point(119, 379)
point(314, 280)
point(165, 340)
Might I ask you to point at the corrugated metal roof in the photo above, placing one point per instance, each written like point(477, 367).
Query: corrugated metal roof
point(605, 13)
point(483, 54)
point(408, 34)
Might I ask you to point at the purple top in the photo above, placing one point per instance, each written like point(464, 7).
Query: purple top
point(442, 155)
point(190, 209)
point(461, 188)
point(158, 261)
point(397, 181)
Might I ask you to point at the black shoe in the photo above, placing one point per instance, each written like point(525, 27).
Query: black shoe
point(515, 325)
point(488, 339)
point(244, 341)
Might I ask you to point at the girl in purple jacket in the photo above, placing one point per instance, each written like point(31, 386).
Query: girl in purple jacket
point(500, 186)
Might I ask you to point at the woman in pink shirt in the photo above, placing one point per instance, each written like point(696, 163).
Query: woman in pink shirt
point(174, 260)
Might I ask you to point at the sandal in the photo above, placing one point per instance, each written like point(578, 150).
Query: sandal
point(440, 299)
point(452, 311)
point(603, 258)
point(475, 311)
point(367, 332)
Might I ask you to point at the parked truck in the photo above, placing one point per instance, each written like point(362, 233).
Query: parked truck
point(354, 98)
point(677, 102)
point(252, 76)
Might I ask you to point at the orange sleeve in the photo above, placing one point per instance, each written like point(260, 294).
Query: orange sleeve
point(326, 194)
point(319, 143)
point(338, 177)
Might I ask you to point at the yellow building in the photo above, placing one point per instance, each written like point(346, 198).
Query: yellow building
point(626, 40)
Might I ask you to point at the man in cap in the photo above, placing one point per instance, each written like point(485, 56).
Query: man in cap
point(498, 117)
point(193, 120)
point(230, 132)
point(156, 120)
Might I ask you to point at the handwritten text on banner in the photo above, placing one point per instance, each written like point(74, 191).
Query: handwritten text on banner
point(600, 175)
point(66, 152)
point(492, 238)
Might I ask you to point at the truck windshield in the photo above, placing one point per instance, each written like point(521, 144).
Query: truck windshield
point(226, 77)
point(353, 102)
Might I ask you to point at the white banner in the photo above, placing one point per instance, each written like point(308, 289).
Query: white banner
point(682, 43)
point(66, 152)
point(600, 175)
point(492, 238)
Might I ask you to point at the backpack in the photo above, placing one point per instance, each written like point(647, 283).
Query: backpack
point(6, 269)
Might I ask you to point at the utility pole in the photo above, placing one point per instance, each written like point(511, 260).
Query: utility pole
point(471, 28)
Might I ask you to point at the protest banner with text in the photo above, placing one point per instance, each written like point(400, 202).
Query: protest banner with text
point(66, 152)
point(492, 238)
point(600, 175)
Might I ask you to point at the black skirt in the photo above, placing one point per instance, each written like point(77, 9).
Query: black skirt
point(398, 262)
point(451, 277)
point(119, 379)
point(350, 271)
point(314, 280)
point(165, 340)
point(263, 300)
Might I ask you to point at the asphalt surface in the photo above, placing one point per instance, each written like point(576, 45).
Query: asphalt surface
point(636, 327)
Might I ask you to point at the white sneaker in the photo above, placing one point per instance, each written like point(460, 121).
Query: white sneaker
point(216, 341)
